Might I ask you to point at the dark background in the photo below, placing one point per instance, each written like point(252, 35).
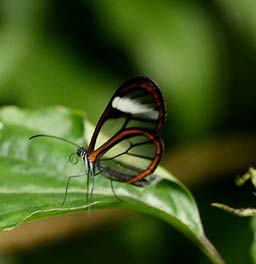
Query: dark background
point(202, 54)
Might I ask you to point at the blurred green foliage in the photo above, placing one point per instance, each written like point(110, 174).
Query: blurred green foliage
point(202, 53)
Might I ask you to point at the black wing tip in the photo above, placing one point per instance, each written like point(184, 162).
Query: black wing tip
point(141, 79)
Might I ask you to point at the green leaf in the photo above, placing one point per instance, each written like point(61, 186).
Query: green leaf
point(250, 175)
point(240, 180)
point(242, 212)
point(33, 177)
point(253, 248)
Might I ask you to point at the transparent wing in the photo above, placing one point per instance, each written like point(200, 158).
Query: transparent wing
point(137, 103)
point(129, 156)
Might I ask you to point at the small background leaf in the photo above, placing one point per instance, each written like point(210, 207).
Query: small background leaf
point(253, 248)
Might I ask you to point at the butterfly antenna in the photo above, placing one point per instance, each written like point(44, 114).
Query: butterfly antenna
point(59, 138)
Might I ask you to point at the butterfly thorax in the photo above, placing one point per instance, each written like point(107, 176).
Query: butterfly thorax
point(83, 154)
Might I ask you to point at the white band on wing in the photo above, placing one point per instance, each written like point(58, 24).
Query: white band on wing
point(130, 106)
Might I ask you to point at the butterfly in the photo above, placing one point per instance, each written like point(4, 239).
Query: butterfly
point(126, 145)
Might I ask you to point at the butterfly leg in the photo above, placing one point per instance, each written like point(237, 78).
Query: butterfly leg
point(67, 185)
point(88, 192)
point(113, 190)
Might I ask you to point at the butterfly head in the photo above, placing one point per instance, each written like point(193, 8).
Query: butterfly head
point(82, 153)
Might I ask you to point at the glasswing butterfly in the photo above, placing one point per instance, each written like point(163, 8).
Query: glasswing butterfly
point(126, 146)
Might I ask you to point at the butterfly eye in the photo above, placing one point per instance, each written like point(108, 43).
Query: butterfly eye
point(78, 152)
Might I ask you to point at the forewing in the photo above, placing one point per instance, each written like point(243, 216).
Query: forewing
point(137, 103)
